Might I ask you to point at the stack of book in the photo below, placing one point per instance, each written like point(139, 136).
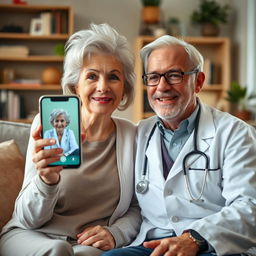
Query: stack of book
point(212, 72)
point(48, 23)
point(11, 105)
point(15, 50)
point(26, 82)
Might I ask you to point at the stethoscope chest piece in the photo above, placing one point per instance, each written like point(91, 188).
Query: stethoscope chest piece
point(142, 186)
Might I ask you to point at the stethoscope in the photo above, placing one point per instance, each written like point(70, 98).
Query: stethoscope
point(143, 185)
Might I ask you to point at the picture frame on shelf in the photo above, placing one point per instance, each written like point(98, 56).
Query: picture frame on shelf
point(36, 27)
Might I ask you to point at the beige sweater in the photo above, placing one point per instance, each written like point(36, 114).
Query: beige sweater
point(89, 195)
point(99, 192)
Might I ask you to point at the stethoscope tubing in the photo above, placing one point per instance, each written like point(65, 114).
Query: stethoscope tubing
point(142, 185)
point(146, 158)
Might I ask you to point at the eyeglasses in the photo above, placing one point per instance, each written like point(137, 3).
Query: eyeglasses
point(171, 77)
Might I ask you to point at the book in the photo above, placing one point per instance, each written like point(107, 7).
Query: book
point(17, 51)
point(64, 22)
point(23, 114)
point(13, 111)
point(46, 23)
point(16, 107)
point(26, 82)
point(58, 23)
point(207, 71)
point(3, 103)
point(53, 23)
point(10, 99)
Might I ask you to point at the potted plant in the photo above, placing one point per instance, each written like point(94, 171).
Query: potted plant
point(151, 11)
point(238, 98)
point(209, 16)
point(174, 26)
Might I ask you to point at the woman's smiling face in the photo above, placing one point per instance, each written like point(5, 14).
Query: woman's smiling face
point(59, 123)
point(101, 84)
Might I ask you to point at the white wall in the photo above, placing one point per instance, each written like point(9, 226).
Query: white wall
point(124, 15)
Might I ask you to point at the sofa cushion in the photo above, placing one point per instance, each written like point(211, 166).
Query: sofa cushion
point(17, 131)
point(11, 173)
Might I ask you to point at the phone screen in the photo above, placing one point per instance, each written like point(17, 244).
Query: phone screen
point(60, 118)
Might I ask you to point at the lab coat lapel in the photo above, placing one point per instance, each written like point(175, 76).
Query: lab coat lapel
point(206, 132)
point(154, 155)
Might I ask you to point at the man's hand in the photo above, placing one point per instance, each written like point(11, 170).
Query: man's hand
point(98, 237)
point(174, 246)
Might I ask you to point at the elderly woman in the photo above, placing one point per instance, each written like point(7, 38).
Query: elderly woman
point(88, 210)
point(63, 136)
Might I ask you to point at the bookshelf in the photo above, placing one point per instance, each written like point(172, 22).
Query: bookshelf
point(42, 54)
point(216, 52)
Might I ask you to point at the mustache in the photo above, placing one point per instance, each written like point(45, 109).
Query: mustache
point(163, 95)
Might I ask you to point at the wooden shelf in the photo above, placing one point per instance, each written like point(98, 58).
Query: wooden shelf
point(34, 59)
point(31, 8)
point(24, 87)
point(26, 36)
point(212, 87)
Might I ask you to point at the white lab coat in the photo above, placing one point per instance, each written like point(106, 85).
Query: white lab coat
point(227, 217)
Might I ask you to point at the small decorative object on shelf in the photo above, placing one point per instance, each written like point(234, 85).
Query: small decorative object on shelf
point(14, 51)
point(209, 16)
point(12, 29)
point(174, 26)
point(8, 75)
point(19, 2)
point(238, 98)
point(59, 49)
point(151, 19)
point(151, 11)
point(51, 75)
point(36, 27)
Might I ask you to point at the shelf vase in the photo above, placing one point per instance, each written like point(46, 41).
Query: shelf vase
point(209, 29)
point(151, 14)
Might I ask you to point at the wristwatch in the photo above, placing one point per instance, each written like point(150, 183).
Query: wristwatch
point(199, 240)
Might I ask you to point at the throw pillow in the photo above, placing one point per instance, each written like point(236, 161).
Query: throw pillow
point(11, 173)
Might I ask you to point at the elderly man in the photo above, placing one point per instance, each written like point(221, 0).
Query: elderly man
point(195, 170)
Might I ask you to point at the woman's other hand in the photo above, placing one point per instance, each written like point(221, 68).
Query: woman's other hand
point(42, 158)
point(98, 237)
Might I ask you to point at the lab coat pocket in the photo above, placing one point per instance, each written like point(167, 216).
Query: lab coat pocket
point(210, 182)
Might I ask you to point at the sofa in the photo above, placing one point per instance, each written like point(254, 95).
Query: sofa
point(13, 146)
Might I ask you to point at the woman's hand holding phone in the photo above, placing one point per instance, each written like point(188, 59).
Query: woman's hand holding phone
point(43, 157)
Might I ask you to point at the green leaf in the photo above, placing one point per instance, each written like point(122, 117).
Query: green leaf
point(210, 12)
point(236, 93)
point(151, 2)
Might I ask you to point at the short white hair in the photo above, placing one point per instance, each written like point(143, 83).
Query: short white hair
point(98, 38)
point(57, 112)
point(195, 57)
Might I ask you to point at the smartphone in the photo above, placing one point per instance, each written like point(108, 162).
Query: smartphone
point(60, 119)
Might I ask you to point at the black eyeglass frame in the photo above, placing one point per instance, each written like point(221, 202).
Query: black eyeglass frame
point(144, 76)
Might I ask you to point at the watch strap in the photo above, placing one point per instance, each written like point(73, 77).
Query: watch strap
point(198, 239)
